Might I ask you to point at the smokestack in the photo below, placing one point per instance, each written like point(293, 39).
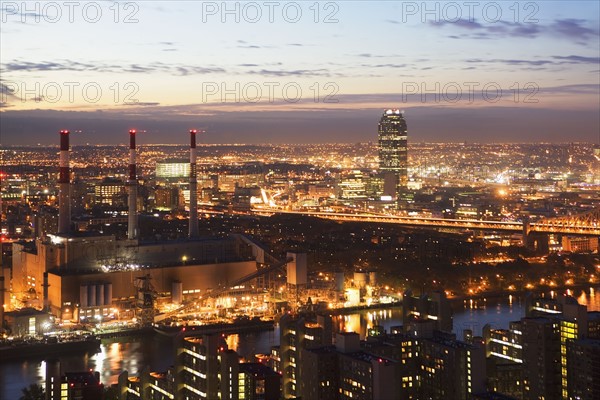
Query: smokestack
point(132, 224)
point(64, 185)
point(46, 298)
point(1, 304)
point(193, 225)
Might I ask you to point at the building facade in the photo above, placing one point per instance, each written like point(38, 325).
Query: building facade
point(393, 152)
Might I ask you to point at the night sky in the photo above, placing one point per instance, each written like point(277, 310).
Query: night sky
point(300, 72)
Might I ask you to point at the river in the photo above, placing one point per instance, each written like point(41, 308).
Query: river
point(156, 351)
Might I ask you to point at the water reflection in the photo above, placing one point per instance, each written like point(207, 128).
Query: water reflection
point(157, 351)
point(361, 321)
point(249, 344)
point(477, 316)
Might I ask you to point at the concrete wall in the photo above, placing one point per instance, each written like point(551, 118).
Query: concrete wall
point(67, 288)
point(208, 262)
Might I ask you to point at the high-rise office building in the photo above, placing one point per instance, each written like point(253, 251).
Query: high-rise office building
point(393, 152)
point(451, 369)
point(205, 368)
point(297, 333)
point(110, 192)
point(504, 348)
point(541, 358)
point(172, 169)
point(257, 382)
point(583, 369)
point(71, 385)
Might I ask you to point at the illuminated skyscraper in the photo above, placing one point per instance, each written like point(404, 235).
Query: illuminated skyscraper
point(393, 152)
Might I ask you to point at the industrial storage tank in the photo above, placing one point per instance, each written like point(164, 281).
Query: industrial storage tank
point(360, 279)
point(108, 294)
point(177, 292)
point(373, 278)
point(92, 295)
point(83, 296)
point(297, 268)
point(100, 294)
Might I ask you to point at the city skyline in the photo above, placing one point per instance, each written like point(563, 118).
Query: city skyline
point(337, 79)
point(274, 200)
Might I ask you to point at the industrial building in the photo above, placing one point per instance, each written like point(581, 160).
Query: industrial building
point(77, 275)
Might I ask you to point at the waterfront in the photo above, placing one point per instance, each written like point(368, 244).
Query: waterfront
point(156, 351)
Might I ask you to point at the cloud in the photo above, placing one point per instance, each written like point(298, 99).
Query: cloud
point(6, 90)
point(7, 94)
point(297, 72)
point(19, 16)
point(524, 30)
point(553, 60)
point(46, 66)
point(461, 23)
point(475, 30)
point(509, 61)
point(141, 104)
point(573, 28)
point(242, 44)
point(138, 68)
point(569, 29)
point(591, 88)
point(384, 65)
point(194, 70)
point(578, 59)
point(75, 66)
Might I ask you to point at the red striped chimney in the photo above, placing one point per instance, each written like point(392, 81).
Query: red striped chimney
point(64, 185)
point(132, 167)
point(193, 224)
point(132, 219)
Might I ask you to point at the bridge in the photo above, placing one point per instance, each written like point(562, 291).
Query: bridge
point(586, 224)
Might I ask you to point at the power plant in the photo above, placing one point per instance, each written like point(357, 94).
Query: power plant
point(83, 276)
